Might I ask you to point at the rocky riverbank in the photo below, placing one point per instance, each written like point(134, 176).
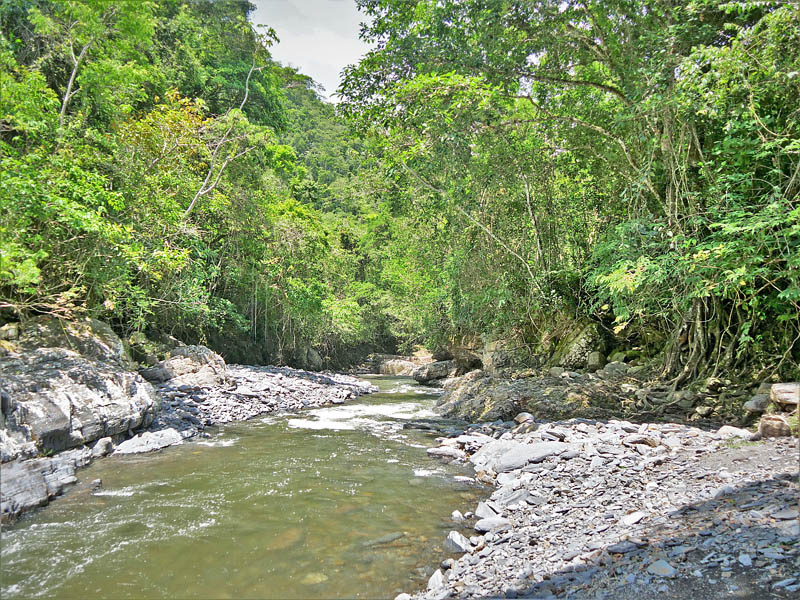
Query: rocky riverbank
point(71, 394)
point(614, 509)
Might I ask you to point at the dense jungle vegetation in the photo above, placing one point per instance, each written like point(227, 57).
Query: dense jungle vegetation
point(495, 167)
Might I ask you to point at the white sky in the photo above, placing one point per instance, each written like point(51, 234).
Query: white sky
point(319, 37)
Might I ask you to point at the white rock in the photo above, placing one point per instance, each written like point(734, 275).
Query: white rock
point(633, 518)
point(436, 581)
point(456, 542)
point(150, 441)
point(493, 524)
point(727, 431)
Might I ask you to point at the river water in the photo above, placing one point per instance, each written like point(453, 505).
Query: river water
point(338, 502)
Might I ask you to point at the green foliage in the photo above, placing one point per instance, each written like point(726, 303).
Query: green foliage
point(580, 156)
point(157, 174)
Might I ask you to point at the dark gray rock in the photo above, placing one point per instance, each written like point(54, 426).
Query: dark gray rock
point(31, 483)
point(60, 400)
point(435, 370)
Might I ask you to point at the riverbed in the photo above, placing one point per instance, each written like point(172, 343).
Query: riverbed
point(335, 502)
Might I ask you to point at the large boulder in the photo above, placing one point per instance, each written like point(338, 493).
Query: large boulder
point(496, 355)
point(55, 398)
point(92, 339)
point(190, 366)
point(435, 370)
point(785, 395)
point(477, 398)
point(573, 350)
point(397, 366)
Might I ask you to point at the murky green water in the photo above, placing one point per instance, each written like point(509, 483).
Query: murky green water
point(338, 502)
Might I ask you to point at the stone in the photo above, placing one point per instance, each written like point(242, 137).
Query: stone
point(522, 454)
point(572, 351)
point(58, 399)
point(456, 542)
point(556, 371)
point(28, 484)
point(456, 516)
point(728, 431)
point(190, 366)
point(436, 581)
point(507, 455)
point(633, 518)
point(662, 568)
point(90, 338)
point(704, 411)
point(493, 524)
point(757, 403)
point(622, 547)
point(447, 452)
point(103, 447)
point(523, 417)
point(595, 361)
point(497, 355)
point(403, 596)
point(785, 394)
point(617, 357)
point(9, 331)
point(397, 366)
point(616, 368)
point(772, 426)
point(484, 511)
point(435, 370)
point(745, 560)
point(149, 441)
point(786, 514)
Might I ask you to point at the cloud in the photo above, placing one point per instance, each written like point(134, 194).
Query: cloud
point(319, 37)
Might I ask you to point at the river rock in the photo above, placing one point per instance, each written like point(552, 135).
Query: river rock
point(572, 352)
point(662, 568)
point(757, 403)
point(149, 441)
point(484, 511)
point(774, 426)
point(90, 338)
point(508, 455)
point(595, 361)
point(455, 542)
point(492, 524)
point(785, 394)
point(434, 370)
point(436, 581)
point(447, 452)
point(518, 457)
point(103, 447)
point(190, 366)
point(397, 366)
point(728, 431)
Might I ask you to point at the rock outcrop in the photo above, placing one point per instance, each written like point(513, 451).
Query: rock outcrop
point(56, 397)
point(31, 483)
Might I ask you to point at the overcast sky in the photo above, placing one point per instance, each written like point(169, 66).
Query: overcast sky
point(319, 37)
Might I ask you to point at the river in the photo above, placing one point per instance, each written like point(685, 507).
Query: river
point(337, 502)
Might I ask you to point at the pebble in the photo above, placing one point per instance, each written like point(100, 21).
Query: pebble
point(613, 516)
point(662, 568)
